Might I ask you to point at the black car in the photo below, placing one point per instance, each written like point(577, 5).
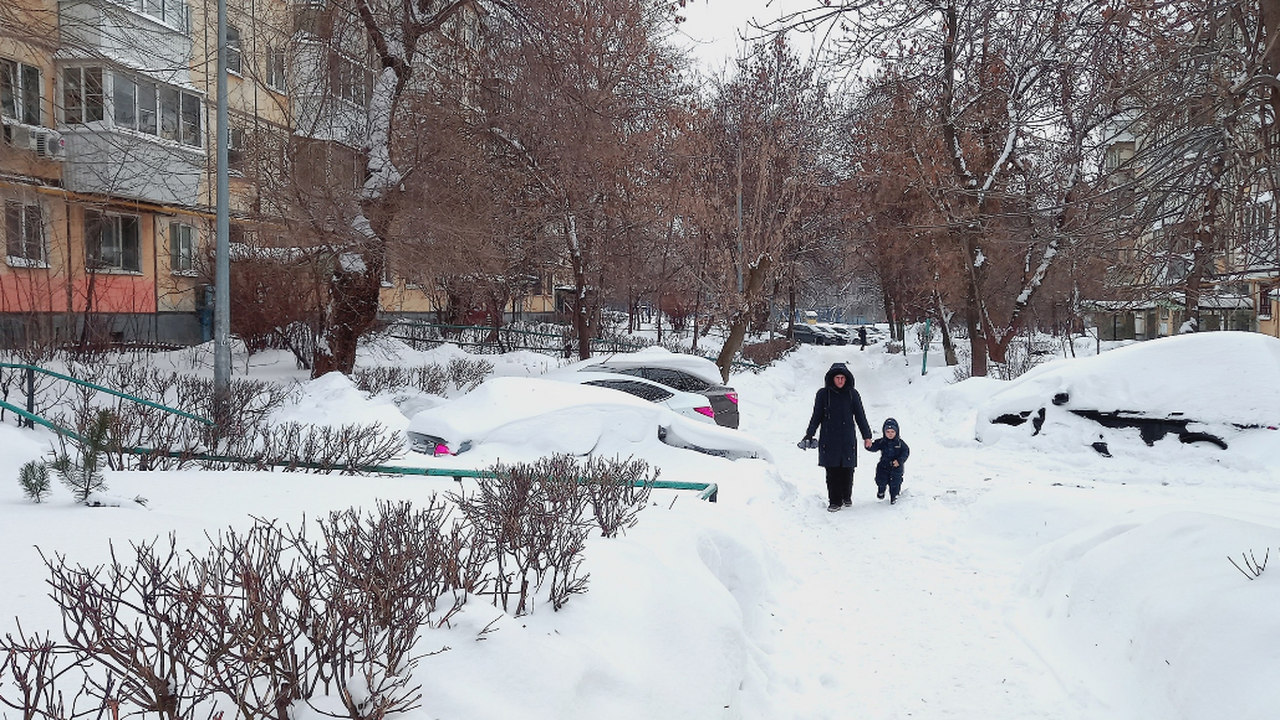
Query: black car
point(806, 333)
point(724, 399)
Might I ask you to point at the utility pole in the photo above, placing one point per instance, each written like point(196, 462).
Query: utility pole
point(222, 263)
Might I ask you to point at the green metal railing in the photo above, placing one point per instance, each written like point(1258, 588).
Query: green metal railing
point(707, 491)
point(31, 370)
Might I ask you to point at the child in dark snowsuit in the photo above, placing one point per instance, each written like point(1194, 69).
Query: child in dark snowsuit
point(893, 453)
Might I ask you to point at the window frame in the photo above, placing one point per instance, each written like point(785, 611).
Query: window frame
point(83, 107)
point(173, 13)
point(97, 221)
point(182, 250)
point(277, 75)
point(27, 103)
point(150, 113)
point(30, 233)
point(235, 50)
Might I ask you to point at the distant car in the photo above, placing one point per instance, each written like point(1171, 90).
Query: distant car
point(559, 417)
point(807, 334)
point(842, 334)
point(678, 371)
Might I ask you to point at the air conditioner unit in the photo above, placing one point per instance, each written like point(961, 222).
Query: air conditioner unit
point(47, 143)
point(44, 142)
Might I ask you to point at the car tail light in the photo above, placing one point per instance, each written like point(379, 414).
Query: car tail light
point(707, 411)
point(733, 397)
point(442, 449)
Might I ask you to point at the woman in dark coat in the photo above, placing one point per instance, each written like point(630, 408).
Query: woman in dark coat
point(836, 408)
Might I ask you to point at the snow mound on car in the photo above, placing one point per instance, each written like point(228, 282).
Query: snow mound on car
point(1213, 377)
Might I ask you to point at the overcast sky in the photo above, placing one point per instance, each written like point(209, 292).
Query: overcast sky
point(714, 26)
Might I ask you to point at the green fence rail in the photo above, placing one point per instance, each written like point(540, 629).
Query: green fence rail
point(706, 491)
point(30, 372)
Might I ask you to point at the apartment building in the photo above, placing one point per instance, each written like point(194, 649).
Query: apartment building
point(107, 160)
point(1240, 286)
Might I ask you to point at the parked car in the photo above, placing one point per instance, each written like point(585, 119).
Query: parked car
point(678, 371)
point(1146, 391)
point(549, 416)
point(688, 404)
point(840, 333)
point(807, 334)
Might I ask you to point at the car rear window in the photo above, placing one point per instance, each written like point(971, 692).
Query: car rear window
point(676, 379)
point(639, 389)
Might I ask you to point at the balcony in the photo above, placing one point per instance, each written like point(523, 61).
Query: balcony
point(122, 163)
point(149, 35)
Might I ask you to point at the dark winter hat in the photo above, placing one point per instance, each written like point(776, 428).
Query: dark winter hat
point(891, 423)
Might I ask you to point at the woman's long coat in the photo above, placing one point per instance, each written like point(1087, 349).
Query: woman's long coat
point(836, 411)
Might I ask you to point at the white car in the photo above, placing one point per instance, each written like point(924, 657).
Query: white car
point(690, 405)
point(518, 414)
point(678, 371)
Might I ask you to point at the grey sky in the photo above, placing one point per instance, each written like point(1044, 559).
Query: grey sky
point(714, 26)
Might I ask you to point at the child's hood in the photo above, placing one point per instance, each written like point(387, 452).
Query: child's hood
point(891, 423)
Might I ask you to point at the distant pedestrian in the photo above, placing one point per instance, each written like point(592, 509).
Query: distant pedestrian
point(893, 455)
point(862, 337)
point(836, 408)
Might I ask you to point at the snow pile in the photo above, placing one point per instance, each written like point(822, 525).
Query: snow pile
point(1029, 577)
point(1148, 617)
point(1220, 377)
point(1221, 388)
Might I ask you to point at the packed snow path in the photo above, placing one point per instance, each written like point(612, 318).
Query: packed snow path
point(887, 611)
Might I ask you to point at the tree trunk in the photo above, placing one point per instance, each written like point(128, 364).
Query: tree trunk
point(352, 310)
point(742, 317)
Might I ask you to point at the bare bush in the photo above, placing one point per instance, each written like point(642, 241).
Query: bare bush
point(136, 621)
point(618, 491)
point(530, 517)
point(347, 449)
point(40, 678)
point(767, 352)
point(466, 375)
point(249, 632)
point(434, 379)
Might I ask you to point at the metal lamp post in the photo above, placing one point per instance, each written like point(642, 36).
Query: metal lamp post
point(222, 263)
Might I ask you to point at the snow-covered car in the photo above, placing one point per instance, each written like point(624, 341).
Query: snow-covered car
point(1188, 386)
point(690, 405)
point(560, 417)
point(678, 371)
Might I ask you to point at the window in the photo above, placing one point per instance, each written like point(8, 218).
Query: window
point(169, 12)
point(82, 97)
point(112, 242)
point(182, 248)
point(234, 55)
point(190, 120)
point(351, 80)
point(155, 109)
point(640, 390)
point(276, 60)
point(24, 234)
point(235, 148)
point(20, 91)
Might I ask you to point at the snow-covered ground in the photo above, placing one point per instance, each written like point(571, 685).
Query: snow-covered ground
point(1016, 578)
